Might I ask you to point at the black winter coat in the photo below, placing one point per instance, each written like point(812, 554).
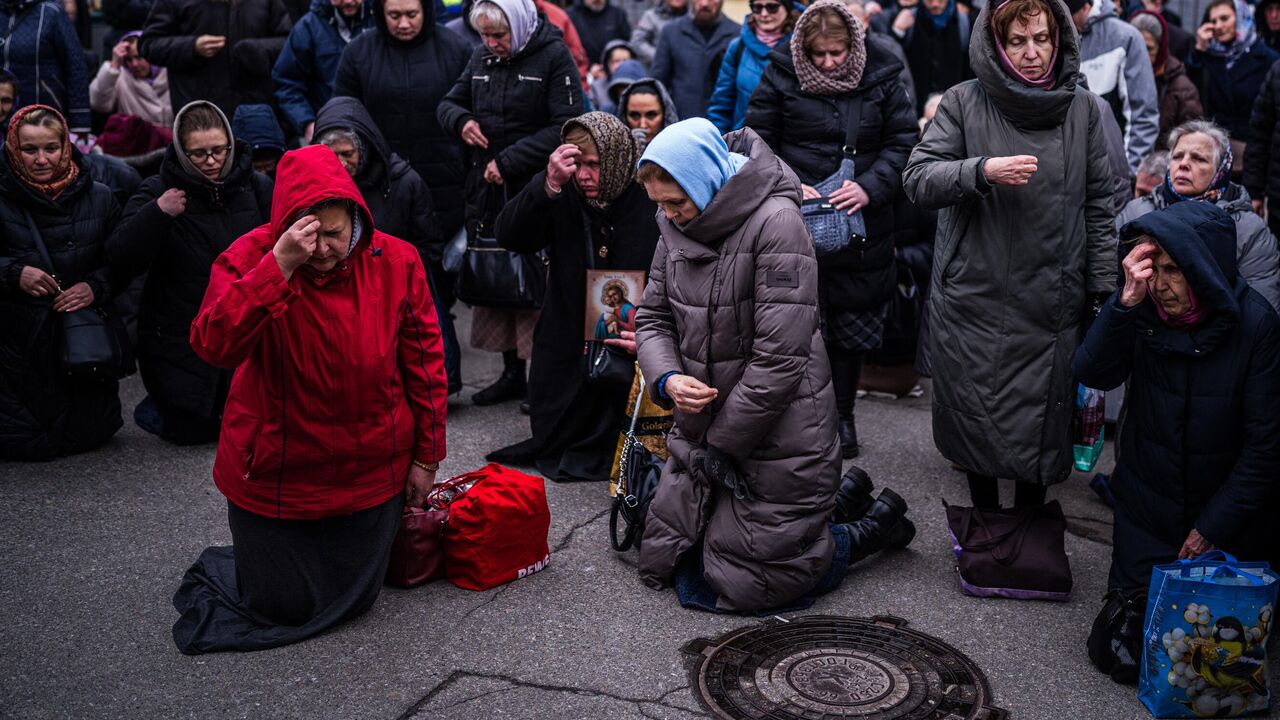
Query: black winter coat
point(401, 84)
point(45, 413)
point(1262, 154)
point(1200, 447)
point(177, 254)
point(520, 103)
point(240, 73)
point(575, 425)
point(807, 132)
point(397, 197)
point(1228, 94)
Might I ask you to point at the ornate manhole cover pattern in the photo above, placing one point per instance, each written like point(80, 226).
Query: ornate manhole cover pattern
point(824, 667)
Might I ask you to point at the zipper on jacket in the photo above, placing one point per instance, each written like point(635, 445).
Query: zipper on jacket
point(568, 89)
point(529, 77)
point(485, 78)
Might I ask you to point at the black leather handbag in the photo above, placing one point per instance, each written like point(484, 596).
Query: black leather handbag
point(606, 365)
point(638, 474)
point(93, 342)
point(494, 277)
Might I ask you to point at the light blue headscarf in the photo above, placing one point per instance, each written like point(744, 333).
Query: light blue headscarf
point(693, 152)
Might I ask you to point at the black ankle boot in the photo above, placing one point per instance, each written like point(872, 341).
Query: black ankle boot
point(846, 389)
point(884, 527)
point(853, 497)
point(510, 385)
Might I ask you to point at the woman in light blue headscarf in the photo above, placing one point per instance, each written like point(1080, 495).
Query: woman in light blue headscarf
point(742, 519)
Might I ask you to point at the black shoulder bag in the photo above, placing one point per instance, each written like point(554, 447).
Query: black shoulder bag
point(92, 344)
point(492, 276)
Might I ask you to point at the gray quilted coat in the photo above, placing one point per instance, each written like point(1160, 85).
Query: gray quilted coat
point(733, 301)
point(1013, 266)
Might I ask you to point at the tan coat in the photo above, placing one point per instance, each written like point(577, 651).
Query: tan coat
point(117, 91)
point(733, 301)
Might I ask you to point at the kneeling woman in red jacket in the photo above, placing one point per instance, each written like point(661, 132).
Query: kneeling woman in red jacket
point(335, 419)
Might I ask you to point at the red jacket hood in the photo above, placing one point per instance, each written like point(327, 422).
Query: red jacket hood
point(307, 176)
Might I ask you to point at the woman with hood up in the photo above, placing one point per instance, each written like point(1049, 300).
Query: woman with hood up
point(1016, 162)
point(508, 106)
point(586, 210)
point(46, 188)
point(1199, 451)
point(769, 26)
point(809, 95)
point(335, 421)
point(647, 108)
point(173, 229)
point(747, 516)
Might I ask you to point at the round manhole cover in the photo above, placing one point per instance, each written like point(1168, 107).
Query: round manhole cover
point(822, 667)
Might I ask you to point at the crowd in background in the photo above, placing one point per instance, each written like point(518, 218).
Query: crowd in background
point(993, 154)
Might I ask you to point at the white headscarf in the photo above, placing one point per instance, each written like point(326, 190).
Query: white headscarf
point(522, 16)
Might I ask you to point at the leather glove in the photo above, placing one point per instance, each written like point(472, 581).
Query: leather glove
point(717, 467)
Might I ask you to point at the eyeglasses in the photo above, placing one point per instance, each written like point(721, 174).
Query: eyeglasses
point(765, 8)
point(200, 156)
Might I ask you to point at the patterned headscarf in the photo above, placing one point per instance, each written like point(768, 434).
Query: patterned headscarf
point(66, 170)
point(848, 76)
point(617, 149)
point(1246, 35)
point(1221, 179)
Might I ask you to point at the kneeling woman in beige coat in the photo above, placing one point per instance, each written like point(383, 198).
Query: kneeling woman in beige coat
point(747, 516)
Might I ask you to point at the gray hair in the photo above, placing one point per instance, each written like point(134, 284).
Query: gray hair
point(490, 13)
point(330, 137)
point(1150, 25)
point(1155, 163)
point(1221, 141)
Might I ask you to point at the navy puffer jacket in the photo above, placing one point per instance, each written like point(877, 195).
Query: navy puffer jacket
point(1200, 447)
point(40, 47)
point(308, 63)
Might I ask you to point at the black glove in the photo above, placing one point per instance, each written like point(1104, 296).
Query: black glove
point(717, 467)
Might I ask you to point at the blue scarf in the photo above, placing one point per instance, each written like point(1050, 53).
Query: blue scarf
point(939, 21)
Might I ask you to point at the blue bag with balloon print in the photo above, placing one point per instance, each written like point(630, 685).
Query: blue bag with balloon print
point(1205, 641)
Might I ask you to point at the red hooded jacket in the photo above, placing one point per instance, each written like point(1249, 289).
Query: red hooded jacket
point(339, 380)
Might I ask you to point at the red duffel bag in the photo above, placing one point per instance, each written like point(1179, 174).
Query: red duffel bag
point(497, 527)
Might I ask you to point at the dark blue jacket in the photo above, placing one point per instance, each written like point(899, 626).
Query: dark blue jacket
point(308, 64)
point(1200, 446)
point(1228, 94)
point(256, 125)
point(41, 48)
point(682, 61)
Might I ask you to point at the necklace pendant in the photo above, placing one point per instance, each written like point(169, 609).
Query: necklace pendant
point(603, 251)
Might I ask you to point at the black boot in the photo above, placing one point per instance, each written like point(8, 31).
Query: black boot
point(884, 527)
point(510, 385)
point(845, 384)
point(853, 498)
point(1115, 641)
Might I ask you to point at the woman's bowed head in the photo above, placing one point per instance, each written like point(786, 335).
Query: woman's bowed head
point(320, 238)
point(1148, 270)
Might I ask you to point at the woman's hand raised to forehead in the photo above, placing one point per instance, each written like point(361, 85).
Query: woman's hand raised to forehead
point(562, 165)
point(297, 244)
point(1139, 266)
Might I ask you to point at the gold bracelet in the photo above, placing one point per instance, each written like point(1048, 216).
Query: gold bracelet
point(429, 468)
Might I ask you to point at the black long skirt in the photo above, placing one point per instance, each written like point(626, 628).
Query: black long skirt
point(283, 581)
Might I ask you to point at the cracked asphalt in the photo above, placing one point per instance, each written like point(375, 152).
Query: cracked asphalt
point(94, 547)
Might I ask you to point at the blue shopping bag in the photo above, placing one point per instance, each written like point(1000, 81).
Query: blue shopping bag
point(1205, 634)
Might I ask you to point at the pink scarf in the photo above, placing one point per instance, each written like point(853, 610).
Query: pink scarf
point(1192, 317)
point(1046, 81)
point(769, 38)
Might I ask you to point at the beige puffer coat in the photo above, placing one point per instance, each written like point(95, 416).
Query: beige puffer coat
point(733, 301)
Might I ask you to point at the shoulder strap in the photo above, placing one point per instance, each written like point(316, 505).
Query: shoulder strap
point(853, 121)
point(737, 53)
point(39, 241)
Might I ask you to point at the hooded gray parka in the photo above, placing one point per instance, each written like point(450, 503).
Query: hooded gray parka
point(1013, 266)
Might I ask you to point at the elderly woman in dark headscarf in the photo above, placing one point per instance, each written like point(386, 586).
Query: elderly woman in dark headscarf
point(1016, 161)
point(588, 212)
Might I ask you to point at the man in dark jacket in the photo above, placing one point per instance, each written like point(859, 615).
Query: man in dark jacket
point(1199, 451)
point(598, 22)
point(216, 51)
point(305, 71)
point(686, 51)
point(401, 79)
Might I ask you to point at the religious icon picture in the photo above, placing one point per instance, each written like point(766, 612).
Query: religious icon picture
point(612, 296)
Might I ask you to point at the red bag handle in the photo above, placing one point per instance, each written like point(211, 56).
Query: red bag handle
point(445, 493)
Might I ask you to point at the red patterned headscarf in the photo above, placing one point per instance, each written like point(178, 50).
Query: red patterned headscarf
point(63, 174)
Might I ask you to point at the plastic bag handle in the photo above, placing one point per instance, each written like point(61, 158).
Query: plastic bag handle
point(1226, 558)
point(1236, 572)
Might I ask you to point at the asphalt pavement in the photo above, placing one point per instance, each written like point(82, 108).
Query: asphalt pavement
point(95, 545)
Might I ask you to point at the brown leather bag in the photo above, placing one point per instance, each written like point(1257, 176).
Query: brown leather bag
point(417, 553)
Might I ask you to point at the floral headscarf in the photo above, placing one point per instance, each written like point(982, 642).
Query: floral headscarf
point(618, 153)
point(1246, 34)
point(66, 170)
